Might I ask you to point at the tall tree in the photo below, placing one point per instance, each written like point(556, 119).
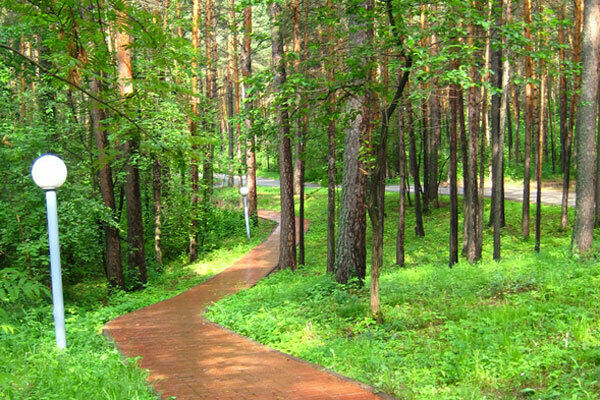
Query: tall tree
point(376, 196)
point(113, 267)
point(331, 131)
point(251, 140)
point(210, 43)
point(135, 227)
point(402, 188)
point(529, 119)
point(471, 246)
point(287, 244)
point(540, 146)
point(414, 168)
point(562, 91)
point(585, 138)
point(350, 256)
point(452, 172)
point(193, 129)
point(498, 101)
point(576, 58)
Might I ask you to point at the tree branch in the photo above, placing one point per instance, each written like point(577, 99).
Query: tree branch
point(75, 86)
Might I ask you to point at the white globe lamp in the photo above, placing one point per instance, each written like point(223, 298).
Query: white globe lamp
point(49, 172)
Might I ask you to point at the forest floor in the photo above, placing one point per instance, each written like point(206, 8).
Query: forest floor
point(527, 326)
point(91, 368)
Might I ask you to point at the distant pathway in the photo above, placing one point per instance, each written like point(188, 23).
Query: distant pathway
point(511, 192)
point(191, 358)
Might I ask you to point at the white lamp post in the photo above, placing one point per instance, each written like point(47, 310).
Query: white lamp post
point(244, 193)
point(50, 172)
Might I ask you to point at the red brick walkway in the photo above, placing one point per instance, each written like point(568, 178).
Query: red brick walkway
point(191, 358)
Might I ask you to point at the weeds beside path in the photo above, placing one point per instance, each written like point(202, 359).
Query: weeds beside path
point(191, 358)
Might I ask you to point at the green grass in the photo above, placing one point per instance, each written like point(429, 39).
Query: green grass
point(267, 174)
point(525, 327)
point(91, 368)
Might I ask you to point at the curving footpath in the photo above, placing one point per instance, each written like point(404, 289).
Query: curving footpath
point(189, 357)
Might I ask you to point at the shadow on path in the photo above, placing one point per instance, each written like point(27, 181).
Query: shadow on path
point(191, 358)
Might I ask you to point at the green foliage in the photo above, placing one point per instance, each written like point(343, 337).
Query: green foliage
point(91, 367)
point(524, 326)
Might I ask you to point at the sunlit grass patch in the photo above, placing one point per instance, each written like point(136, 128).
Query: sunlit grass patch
point(527, 326)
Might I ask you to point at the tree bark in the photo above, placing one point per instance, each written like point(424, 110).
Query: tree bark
point(157, 208)
point(376, 196)
point(452, 169)
point(114, 270)
point(193, 128)
point(287, 244)
point(529, 121)
point(402, 191)
point(250, 148)
point(597, 182)
point(414, 169)
point(517, 114)
point(497, 125)
point(539, 159)
point(331, 133)
point(585, 138)
point(135, 228)
point(577, 28)
point(562, 91)
point(350, 258)
point(471, 198)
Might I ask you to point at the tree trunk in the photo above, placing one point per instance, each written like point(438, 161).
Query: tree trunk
point(402, 190)
point(435, 135)
point(135, 226)
point(539, 159)
point(497, 125)
point(376, 182)
point(251, 151)
point(135, 229)
point(157, 208)
point(297, 50)
point(562, 92)
point(471, 198)
point(597, 182)
point(231, 143)
point(529, 121)
point(585, 138)
point(193, 127)
point(114, 271)
point(287, 244)
point(331, 171)
point(517, 114)
point(210, 42)
point(577, 27)
point(350, 258)
point(414, 169)
point(550, 123)
point(509, 125)
point(452, 169)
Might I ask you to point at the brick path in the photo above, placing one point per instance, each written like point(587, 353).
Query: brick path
point(191, 358)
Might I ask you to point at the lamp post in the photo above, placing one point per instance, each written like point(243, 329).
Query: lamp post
point(244, 193)
point(50, 172)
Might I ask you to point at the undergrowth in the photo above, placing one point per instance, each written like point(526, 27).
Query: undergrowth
point(31, 367)
point(525, 327)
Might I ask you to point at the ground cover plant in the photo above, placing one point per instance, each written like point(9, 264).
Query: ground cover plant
point(91, 368)
point(525, 327)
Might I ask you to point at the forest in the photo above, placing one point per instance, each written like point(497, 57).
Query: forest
point(156, 106)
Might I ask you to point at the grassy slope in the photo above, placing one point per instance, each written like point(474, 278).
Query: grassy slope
point(528, 325)
point(91, 368)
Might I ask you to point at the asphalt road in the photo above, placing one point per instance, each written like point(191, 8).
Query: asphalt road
point(515, 193)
